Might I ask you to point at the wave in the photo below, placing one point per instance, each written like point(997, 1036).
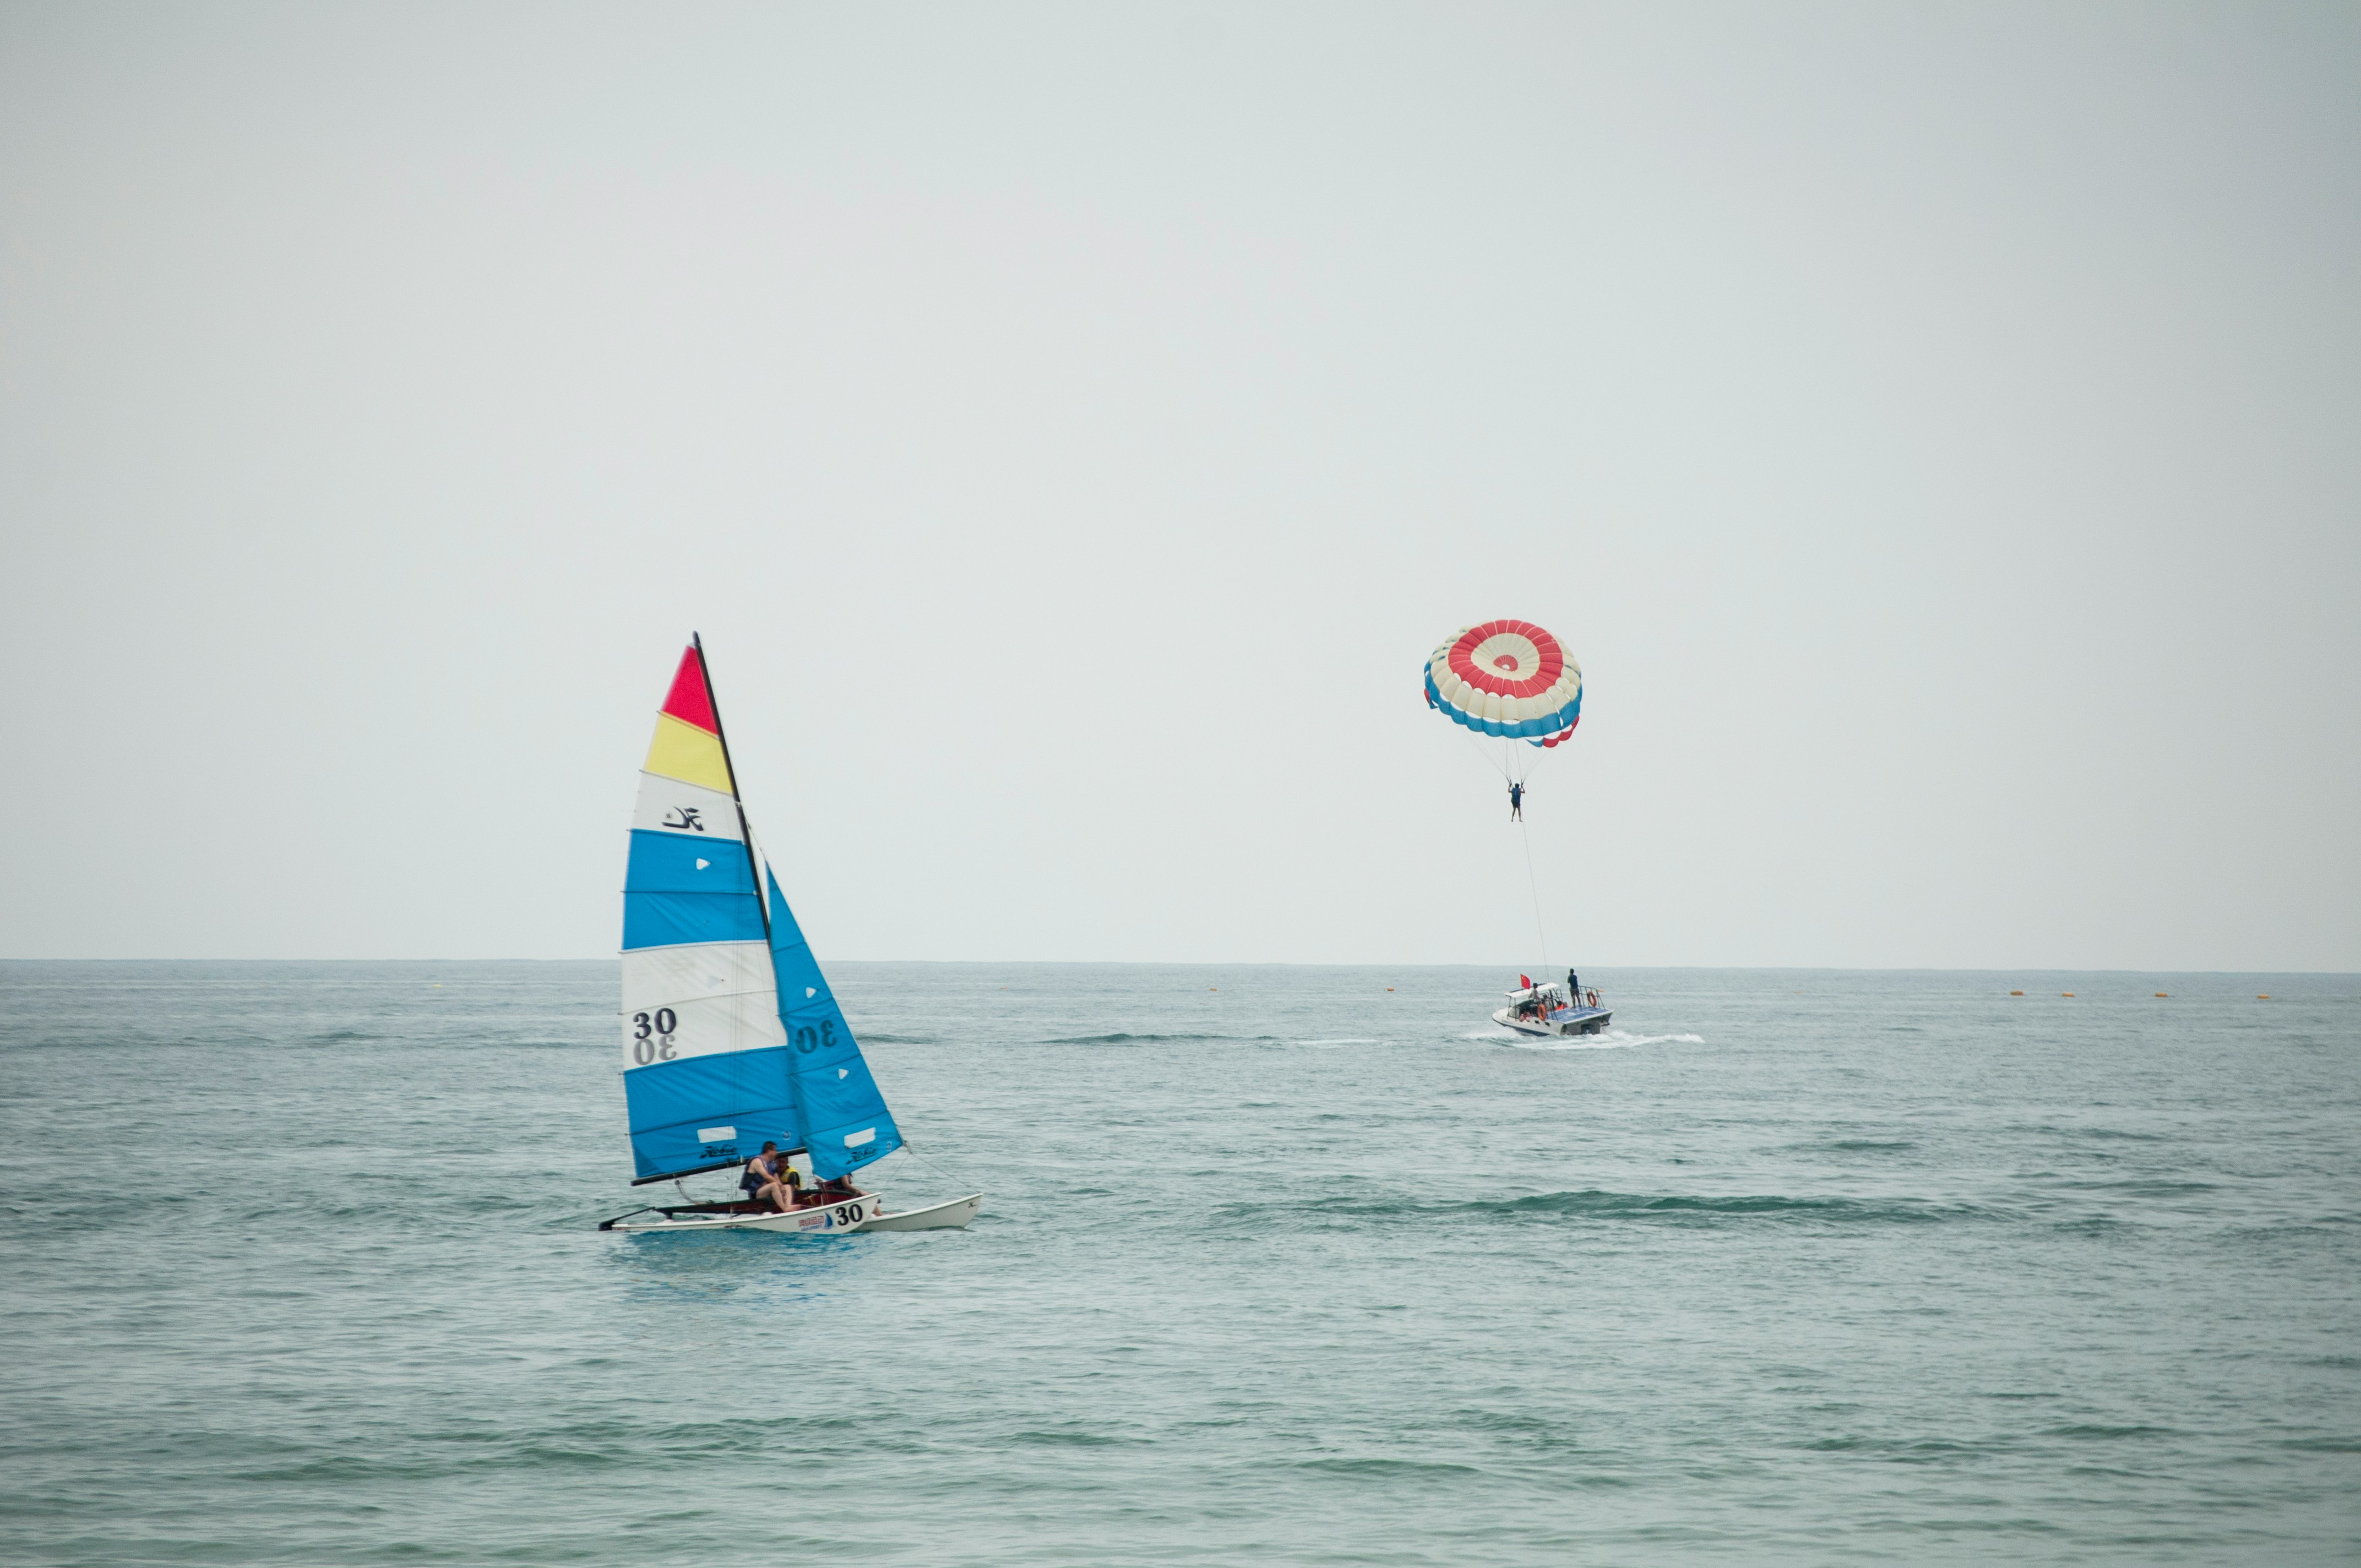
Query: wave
point(1124, 1039)
point(1640, 1207)
point(1070, 1437)
point(1854, 1145)
point(1734, 1206)
point(2122, 1134)
point(1390, 1469)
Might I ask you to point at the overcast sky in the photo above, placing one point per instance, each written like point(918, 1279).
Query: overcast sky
point(1936, 430)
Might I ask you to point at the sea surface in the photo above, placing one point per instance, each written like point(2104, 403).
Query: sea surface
point(1276, 1265)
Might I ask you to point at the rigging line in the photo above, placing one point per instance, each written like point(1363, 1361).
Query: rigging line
point(745, 829)
point(957, 1179)
point(1477, 742)
point(1535, 883)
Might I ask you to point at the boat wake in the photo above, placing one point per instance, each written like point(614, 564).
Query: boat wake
point(1605, 1040)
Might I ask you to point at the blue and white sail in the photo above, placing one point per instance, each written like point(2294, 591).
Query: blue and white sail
point(705, 1057)
point(730, 1037)
point(845, 1120)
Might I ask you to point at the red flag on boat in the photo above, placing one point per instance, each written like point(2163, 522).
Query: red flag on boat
point(1525, 980)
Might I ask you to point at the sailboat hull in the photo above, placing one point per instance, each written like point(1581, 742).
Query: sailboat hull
point(834, 1218)
point(953, 1215)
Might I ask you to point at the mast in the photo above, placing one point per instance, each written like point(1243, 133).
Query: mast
point(745, 829)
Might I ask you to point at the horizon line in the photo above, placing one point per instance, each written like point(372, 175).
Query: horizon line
point(1280, 963)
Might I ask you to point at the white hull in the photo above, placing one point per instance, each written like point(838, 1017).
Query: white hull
point(832, 1219)
point(1578, 1021)
point(953, 1215)
point(867, 1212)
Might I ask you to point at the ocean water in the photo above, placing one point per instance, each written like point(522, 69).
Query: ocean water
point(1276, 1266)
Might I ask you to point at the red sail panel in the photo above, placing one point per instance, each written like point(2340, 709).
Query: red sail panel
point(691, 701)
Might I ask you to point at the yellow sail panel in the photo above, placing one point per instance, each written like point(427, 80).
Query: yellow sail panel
point(683, 751)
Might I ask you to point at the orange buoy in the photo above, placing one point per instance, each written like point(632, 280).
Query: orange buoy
point(2065, 993)
point(2017, 993)
point(2262, 996)
point(2164, 993)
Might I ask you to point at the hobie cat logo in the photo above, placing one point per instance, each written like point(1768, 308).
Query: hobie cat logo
point(687, 823)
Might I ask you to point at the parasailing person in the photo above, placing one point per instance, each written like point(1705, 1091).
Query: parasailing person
point(1512, 681)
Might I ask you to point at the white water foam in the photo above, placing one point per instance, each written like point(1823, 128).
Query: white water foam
point(1606, 1040)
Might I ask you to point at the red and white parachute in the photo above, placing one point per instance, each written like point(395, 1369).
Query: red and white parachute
point(1509, 678)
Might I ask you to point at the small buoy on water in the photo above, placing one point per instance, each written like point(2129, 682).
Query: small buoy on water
point(2262, 996)
point(1389, 988)
point(2065, 993)
point(2164, 993)
point(2017, 993)
point(1212, 988)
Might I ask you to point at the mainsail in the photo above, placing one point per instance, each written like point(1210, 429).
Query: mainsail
point(730, 1037)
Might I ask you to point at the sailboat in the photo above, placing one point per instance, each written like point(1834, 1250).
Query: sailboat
point(731, 1038)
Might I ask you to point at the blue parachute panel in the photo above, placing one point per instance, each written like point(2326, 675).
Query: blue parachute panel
point(1534, 730)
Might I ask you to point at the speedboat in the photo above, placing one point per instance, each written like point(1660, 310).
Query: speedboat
point(1548, 1011)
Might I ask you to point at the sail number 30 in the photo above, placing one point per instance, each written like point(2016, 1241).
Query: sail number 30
point(652, 1036)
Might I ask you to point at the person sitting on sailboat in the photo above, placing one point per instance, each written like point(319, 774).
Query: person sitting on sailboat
point(836, 1188)
point(759, 1172)
point(786, 1191)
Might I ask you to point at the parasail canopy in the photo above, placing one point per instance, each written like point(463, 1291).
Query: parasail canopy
point(1509, 678)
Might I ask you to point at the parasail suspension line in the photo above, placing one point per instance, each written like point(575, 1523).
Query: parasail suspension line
point(1477, 742)
point(1533, 882)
